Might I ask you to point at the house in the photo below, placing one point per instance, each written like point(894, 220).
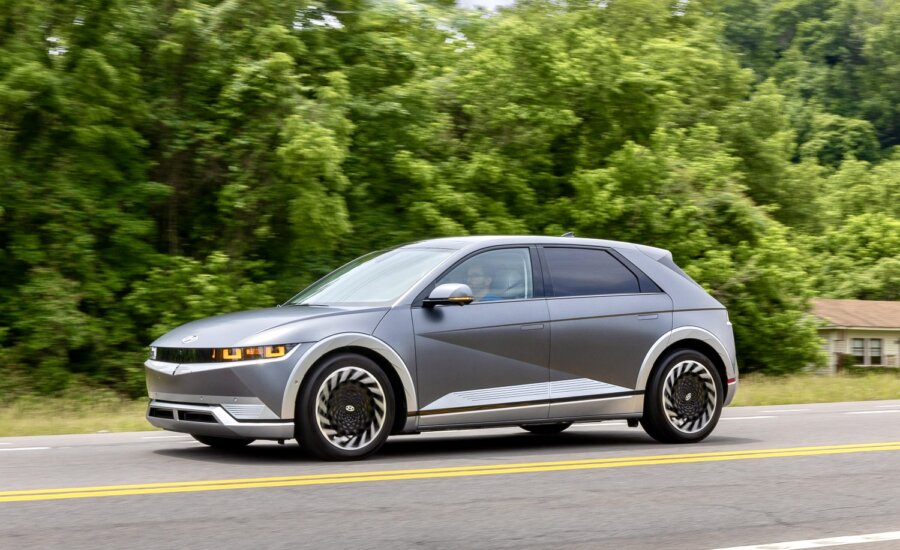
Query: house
point(867, 332)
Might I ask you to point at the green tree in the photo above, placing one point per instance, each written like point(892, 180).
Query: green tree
point(74, 227)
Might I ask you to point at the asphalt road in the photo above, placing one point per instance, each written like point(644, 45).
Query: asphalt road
point(766, 475)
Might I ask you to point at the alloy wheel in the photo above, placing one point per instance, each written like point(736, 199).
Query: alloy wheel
point(350, 408)
point(689, 396)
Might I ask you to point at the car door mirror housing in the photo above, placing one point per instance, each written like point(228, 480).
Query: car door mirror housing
point(449, 294)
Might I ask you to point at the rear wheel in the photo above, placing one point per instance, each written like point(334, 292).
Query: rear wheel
point(346, 410)
point(226, 443)
point(683, 399)
point(546, 429)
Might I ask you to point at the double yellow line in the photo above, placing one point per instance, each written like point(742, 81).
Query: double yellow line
point(434, 473)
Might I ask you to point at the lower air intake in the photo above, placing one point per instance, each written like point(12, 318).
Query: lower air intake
point(192, 416)
point(161, 413)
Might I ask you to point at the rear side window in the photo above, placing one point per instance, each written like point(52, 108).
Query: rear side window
point(586, 272)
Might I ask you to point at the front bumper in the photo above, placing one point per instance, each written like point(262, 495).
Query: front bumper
point(242, 399)
point(218, 420)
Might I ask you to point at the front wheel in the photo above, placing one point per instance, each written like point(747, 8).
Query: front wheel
point(346, 410)
point(684, 398)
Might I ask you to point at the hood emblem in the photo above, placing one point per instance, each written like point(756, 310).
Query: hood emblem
point(189, 339)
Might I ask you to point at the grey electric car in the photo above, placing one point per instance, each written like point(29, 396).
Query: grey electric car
point(537, 332)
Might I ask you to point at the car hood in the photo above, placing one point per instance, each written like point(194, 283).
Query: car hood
point(276, 325)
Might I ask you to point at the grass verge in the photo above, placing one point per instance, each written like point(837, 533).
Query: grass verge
point(755, 389)
point(107, 412)
point(63, 415)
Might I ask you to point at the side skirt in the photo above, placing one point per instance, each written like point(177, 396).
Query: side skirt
point(620, 405)
point(575, 419)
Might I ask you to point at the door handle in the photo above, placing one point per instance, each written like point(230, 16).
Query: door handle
point(537, 326)
point(647, 316)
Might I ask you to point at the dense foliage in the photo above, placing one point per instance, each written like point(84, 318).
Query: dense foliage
point(164, 160)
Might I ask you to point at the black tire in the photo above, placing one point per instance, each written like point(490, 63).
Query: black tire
point(224, 443)
point(546, 429)
point(684, 398)
point(345, 410)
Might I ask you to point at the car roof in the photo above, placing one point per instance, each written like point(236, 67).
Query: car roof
point(482, 241)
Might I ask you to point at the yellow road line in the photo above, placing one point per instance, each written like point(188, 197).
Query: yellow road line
point(434, 473)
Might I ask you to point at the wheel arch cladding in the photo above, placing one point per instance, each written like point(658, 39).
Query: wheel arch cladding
point(690, 337)
point(388, 359)
point(400, 412)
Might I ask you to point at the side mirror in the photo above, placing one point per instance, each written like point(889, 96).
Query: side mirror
point(449, 294)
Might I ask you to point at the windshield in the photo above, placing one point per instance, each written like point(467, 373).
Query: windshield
point(378, 278)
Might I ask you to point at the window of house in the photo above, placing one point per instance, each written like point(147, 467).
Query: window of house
point(587, 272)
point(858, 350)
point(874, 351)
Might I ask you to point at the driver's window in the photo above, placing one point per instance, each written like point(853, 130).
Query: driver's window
point(503, 274)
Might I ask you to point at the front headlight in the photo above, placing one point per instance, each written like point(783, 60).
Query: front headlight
point(246, 354)
point(219, 355)
point(153, 353)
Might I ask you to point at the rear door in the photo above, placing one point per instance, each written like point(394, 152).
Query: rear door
point(487, 361)
point(605, 315)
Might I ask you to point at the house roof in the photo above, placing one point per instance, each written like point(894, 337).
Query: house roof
point(857, 313)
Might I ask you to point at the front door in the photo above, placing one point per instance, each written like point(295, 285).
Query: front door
point(487, 361)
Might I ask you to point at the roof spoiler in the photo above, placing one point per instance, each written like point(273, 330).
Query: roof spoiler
point(655, 253)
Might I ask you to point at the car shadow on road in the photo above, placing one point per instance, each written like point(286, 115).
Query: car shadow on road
point(257, 454)
point(398, 449)
point(535, 445)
